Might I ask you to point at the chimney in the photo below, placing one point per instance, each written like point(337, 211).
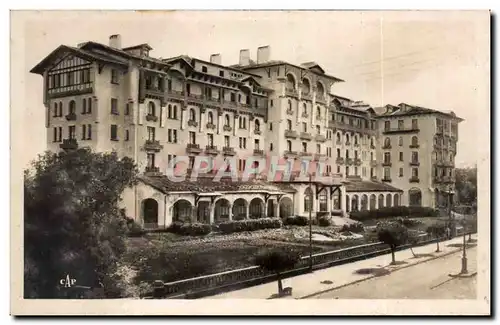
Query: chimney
point(245, 57)
point(115, 41)
point(263, 54)
point(215, 58)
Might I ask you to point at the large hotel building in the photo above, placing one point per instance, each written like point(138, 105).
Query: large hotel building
point(114, 98)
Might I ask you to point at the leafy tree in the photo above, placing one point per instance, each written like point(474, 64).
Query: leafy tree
point(72, 222)
point(438, 230)
point(278, 261)
point(393, 234)
point(466, 186)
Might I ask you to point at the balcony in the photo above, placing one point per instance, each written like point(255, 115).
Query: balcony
point(211, 150)
point(386, 179)
point(372, 146)
point(386, 164)
point(193, 123)
point(320, 99)
point(152, 171)
point(228, 151)
point(71, 117)
point(320, 138)
point(289, 111)
point(414, 163)
point(258, 152)
point(331, 124)
point(176, 94)
point(356, 145)
point(357, 161)
point(387, 147)
point(227, 128)
point(69, 144)
point(151, 118)
point(373, 163)
point(152, 145)
point(319, 156)
point(211, 126)
point(291, 92)
point(291, 134)
point(257, 132)
point(401, 130)
point(339, 143)
point(349, 161)
point(305, 115)
point(414, 146)
point(305, 136)
point(193, 148)
point(414, 179)
point(289, 153)
point(71, 90)
point(305, 154)
point(339, 161)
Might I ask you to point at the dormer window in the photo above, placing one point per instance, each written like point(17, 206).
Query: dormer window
point(204, 69)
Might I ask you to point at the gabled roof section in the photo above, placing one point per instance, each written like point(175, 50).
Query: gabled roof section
point(251, 79)
point(64, 50)
point(404, 109)
point(139, 46)
point(313, 66)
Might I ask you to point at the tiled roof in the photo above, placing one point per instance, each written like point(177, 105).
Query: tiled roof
point(369, 186)
point(206, 184)
point(407, 109)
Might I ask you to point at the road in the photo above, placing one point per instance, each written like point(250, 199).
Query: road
point(429, 280)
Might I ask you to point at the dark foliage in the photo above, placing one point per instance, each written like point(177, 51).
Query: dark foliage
point(250, 225)
point(190, 229)
point(297, 221)
point(354, 227)
point(393, 234)
point(277, 260)
point(324, 221)
point(400, 211)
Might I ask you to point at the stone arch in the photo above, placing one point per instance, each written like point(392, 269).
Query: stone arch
point(306, 86)
point(72, 107)
point(151, 108)
point(227, 120)
point(320, 88)
point(380, 201)
point(182, 210)
point(308, 200)
point(414, 140)
point(396, 200)
point(373, 202)
point(286, 207)
point(239, 209)
point(364, 202)
point(192, 114)
point(355, 203)
point(291, 81)
point(150, 213)
point(415, 196)
point(256, 208)
point(388, 200)
point(210, 118)
point(222, 210)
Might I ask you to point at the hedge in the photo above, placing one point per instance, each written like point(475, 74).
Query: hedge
point(399, 211)
point(189, 229)
point(354, 227)
point(297, 221)
point(249, 225)
point(324, 221)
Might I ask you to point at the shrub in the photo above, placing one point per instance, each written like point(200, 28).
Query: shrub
point(278, 260)
point(324, 221)
point(354, 227)
point(190, 229)
point(389, 212)
point(297, 221)
point(393, 234)
point(250, 225)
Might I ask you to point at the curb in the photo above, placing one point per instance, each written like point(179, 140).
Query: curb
point(374, 276)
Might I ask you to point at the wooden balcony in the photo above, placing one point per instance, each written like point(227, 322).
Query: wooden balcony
point(414, 163)
point(414, 146)
point(401, 130)
point(152, 145)
point(386, 164)
point(386, 179)
point(69, 144)
point(193, 148)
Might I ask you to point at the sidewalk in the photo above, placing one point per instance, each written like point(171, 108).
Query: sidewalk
point(343, 275)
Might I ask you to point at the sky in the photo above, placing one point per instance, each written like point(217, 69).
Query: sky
point(438, 60)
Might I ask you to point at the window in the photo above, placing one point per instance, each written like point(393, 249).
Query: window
point(329, 152)
point(387, 143)
point(114, 106)
point(304, 127)
point(192, 137)
point(270, 126)
point(54, 138)
point(192, 115)
point(84, 105)
point(400, 156)
point(204, 69)
point(414, 156)
point(243, 143)
point(372, 172)
point(289, 145)
point(56, 110)
point(233, 97)
point(401, 174)
point(363, 171)
point(289, 105)
point(151, 160)
point(347, 154)
point(210, 140)
point(387, 173)
point(270, 147)
point(318, 129)
point(318, 113)
point(114, 76)
point(221, 73)
point(84, 132)
point(169, 84)
point(172, 136)
point(175, 112)
point(371, 156)
point(151, 133)
point(208, 92)
point(387, 157)
point(127, 109)
point(127, 135)
point(226, 141)
point(346, 171)
point(304, 146)
point(338, 153)
point(70, 78)
point(271, 103)
point(226, 120)
point(414, 141)
point(356, 171)
point(355, 154)
point(71, 132)
point(188, 89)
point(401, 124)
point(114, 132)
point(347, 139)
point(387, 125)
point(318, 148)
point(355, 140)
point(89, 105)
point(256, 144)
point(60, 134)
point(414, 124)
point(400, 141)
point(338, 138)
point(72, 107)
point(414, 172)
point(308, 193)
point(372, 144)
point(289, 124)
point(257, 125)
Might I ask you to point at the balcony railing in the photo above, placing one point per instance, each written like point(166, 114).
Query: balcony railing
point(386, 164)
point(320, 138)
point(305, 136)
point(257, 132)
point(386, 179)
point(439, 131)
point(331, 124)
point(211, 126)
point(357, 162)
point(304, 114)
point(339, 161)
point(307, 96)
point(71, 117)
point(228, 151)
point(151, 118)
point(319, 156)
point(176, 93)
point(290, 153)
point(373, 163)
point(291, 134)
point(401, 130)
point(291, 92)
point(69, 144)
point(193, 148)
point(258, 152)
point(289, 111)
point(414, 179)
point(414, 146)
point(211, 150)
point(386, 147)
point(414, 163)
point(349, 161)
point(152, 171)
point(305, 154)
point(152, 145)
point(193, 123)
point(227, 128)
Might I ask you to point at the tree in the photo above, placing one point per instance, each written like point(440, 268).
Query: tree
point(393, 234)
point(72, 222)
point(466, 186)
point(278, 261)
point(437, 230)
